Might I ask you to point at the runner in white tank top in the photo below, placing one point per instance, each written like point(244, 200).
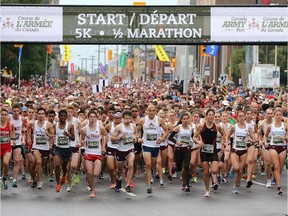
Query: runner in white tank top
point(278, 146)
point(125, 135)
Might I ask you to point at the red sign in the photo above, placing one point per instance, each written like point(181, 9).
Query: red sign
point(72, 68)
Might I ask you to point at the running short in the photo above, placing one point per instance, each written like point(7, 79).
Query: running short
point(44, 153)
point(278, 149)
point(154, 151)
point(123, 155)
point(137, 148)
point(162, 148)
point(64, 153)
point(208, 157)
point(6, 150)
point(111, 151)
point(93, 158)
point(22, 150)
point(239, 152)
point(74, 150)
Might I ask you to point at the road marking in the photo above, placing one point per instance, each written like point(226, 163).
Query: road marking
point(130, 194)
point(259, 183)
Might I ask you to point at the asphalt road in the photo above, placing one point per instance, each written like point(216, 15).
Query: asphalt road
point(170, 200)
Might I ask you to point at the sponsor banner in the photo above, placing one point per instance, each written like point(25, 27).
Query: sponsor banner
point(143, 25)
point(249, 24)
point(31, 24)
point(161, 54)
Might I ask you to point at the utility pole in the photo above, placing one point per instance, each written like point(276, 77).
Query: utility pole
point(98, 63)
point(92, 78)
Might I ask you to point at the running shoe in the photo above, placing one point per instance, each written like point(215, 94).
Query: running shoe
point(23, 176)
point(231, 174)
point(226, 179)
point(76, 178)
point(93, 194)
point(163, 170)
point(132, 185)
point(268, 184)
point(207, 194)
point(195, 180)
point(183, 187)
point(128, 189)
point(112, 186)
point(5, 185)
point(101, 176)
point(219, 179)
point(152, 180)
point(161, 183)
point(117, 189)
point(119, 183)
point(263, 173)
point(51, 178)
point(88, 188)
point(245, 176)
point(69, 188)
point(273, 182)
point(149, 190)
point(234, 190)
point(215, 186)
point(30, 180)
point(170, 177)
point(249, 184)
point(62, 180)
point(157, 176)
point(34, 184)
point(279, 191)
point(58, 188)
point(187, 188)
point(39, 185)
point(14, 183)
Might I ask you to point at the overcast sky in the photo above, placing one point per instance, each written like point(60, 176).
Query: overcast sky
point(79, 52)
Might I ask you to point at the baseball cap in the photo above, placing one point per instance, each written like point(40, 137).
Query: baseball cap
point(24, 109)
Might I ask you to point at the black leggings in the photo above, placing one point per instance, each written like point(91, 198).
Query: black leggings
point(182, 158)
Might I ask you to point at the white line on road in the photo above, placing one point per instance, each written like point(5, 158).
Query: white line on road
point(130, 194)
point(259, 183)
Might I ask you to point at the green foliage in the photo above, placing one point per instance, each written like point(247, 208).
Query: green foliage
point(33, 59)
point(237, 57)
point(281, 62)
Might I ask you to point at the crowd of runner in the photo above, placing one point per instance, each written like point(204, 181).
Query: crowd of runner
point(65, 130)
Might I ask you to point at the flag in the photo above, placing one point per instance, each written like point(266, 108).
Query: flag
point(104, 82)
point(96, 88)
point(72, 68)
point(212, 50)
point(49, 49)
point(20, 54)
point(103, 70)
point(67, 53)
point(161, 54)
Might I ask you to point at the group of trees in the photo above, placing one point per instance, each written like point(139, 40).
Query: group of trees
point(266, 56)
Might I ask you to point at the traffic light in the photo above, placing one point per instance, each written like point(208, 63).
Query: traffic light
point(109, 54)
point(173, 63)
point(202, 50)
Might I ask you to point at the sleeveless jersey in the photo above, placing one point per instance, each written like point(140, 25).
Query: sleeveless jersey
point(5, 136)
point(184, 136)
point(111, 144)
point(76, 134)
point(127, 143)
point(40, 140)
point(209, 136)
point(276, 133)
point(62, 141)
point(93, 141)
point(165, 142)
point(18, 129)
point(240, 136)
point(151, 132)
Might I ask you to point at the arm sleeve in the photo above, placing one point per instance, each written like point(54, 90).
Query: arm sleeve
point(171, 137)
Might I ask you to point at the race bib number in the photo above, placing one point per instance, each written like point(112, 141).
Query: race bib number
point(92, 144)
point(241, 144)
point(278, 141)
point(151, 137)
point(4, 139)
point(41, 140)
point(128, 140)
point(63, 140)
point(208, 148)
point(17, 135)
point(185, 140)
